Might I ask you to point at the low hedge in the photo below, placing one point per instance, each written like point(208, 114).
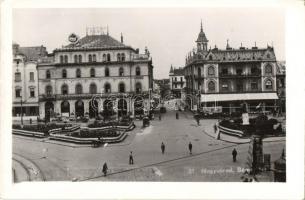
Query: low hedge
point(98, 124)
point(85, 133)
point(44, 128)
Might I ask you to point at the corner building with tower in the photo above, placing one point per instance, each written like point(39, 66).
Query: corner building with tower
point(92, 74)
point(220, 80)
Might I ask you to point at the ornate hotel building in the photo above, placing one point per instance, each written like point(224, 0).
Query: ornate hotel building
point(222, 79)
point(93, 74)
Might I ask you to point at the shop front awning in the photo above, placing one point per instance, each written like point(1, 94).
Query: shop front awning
point(238, 97)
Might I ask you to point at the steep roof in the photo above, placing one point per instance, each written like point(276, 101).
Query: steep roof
point(102, 41)
point(178, 71)
point(201, 36)
point(33, 53)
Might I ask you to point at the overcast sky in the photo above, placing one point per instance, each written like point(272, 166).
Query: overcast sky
point(169, 33)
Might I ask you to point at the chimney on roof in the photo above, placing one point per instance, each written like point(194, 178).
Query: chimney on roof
point(241, 46)
point(122, 41)
point(228, 46)
point(255, 47)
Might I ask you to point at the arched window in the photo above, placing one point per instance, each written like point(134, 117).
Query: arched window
point(48, 90)
point(93, 89)
point(75, 58)
point(210, 57)
point(78, 89)
point(199, 72)
point(268, 69)
point(92, 72)
point(48, 74)
point(138, 87)
point(78, 73)
point(121, 87)
point(64, 73)
point(108, 57)
point(107, 88)
point(94, 58)
point(138, 71)
point(211, 86)
point(90, 58)
point(123, 56)
point(268, 84)
point(64, 89)
point(121, 71)
point(211, 71)
point(66, 59)
point(118, 57)
point(79, 58)
point(61, 59)
point(104, 58)
point(107, 72)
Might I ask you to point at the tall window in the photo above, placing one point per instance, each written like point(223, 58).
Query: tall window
point(93, 89)
point(108, 57)
point(48, 90)
point(94, 58)
point(64, 89)
point(211, 71)
point(17, 76)
point(32, 92)
point(92, 72)
point(254, 85)
point(122, 87)
point(211, 86)
point(138, 87)
point(78, 89)
point(66, 59)
point(90, 58)
point(138, 71)
point(118, 57)
point(123, 56)
point(268, 69)
point(61, 59)
point(199, 72)
point(48, 74)
point(239, 71)
point(75, 58)
point(210, 57)
point(121, 71)
point(18, 92)
point(107, 71)
point(78, 73)
point(181, 79)
point(64, 73)
point(80, 58)
point(31, 76)
point(107, 88)
point(104, 58)
point(268, 84)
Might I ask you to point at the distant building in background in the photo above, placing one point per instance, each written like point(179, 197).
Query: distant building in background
point(95, 65)
point(281, 85)
point(25, 80)
point(221, 79)
point(164, 87)
point(177, 81)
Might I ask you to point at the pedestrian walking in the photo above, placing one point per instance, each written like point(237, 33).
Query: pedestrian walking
point(198, 121)
point(162, 148)
point(234, 154)
point(177, 115)
point(131, 158)
point(215, 128)
point(105, 168)
point(190, 147)
point(159, 117)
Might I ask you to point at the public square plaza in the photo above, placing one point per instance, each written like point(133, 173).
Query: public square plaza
point(211, 159)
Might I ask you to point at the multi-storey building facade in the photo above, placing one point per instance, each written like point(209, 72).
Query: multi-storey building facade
point(225, 78)
point(94, 66)
point(177, 81)
point(25, 80)
point(281, 85)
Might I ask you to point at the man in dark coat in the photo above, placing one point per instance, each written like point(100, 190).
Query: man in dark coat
point(162, 148)
point(177, 115)
point(105, 168)
point(234, 154)
point(131, 158)
point(190, 147)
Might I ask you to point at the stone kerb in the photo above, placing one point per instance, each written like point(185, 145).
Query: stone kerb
point(28, 133)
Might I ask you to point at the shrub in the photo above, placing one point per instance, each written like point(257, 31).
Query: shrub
point(86, 133)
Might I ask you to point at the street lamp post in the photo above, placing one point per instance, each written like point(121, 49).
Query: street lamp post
point(21, 113)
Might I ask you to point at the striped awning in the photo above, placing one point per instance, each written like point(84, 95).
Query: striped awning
point(238, 97)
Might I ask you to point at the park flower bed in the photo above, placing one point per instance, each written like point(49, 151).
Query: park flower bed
point(43, 128)
point(86, 133)
point(100, 124)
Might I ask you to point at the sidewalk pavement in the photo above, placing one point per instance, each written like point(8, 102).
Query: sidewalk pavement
point(209, 130)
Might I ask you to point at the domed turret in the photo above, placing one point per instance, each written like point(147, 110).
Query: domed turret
point(202, 41)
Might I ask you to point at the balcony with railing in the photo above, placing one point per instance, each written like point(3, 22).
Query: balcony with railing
point(239, 75)
point(136, 57)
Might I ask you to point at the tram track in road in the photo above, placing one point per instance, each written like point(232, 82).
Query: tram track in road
point(162, 162)
point(42, 176)
point(28, 174)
